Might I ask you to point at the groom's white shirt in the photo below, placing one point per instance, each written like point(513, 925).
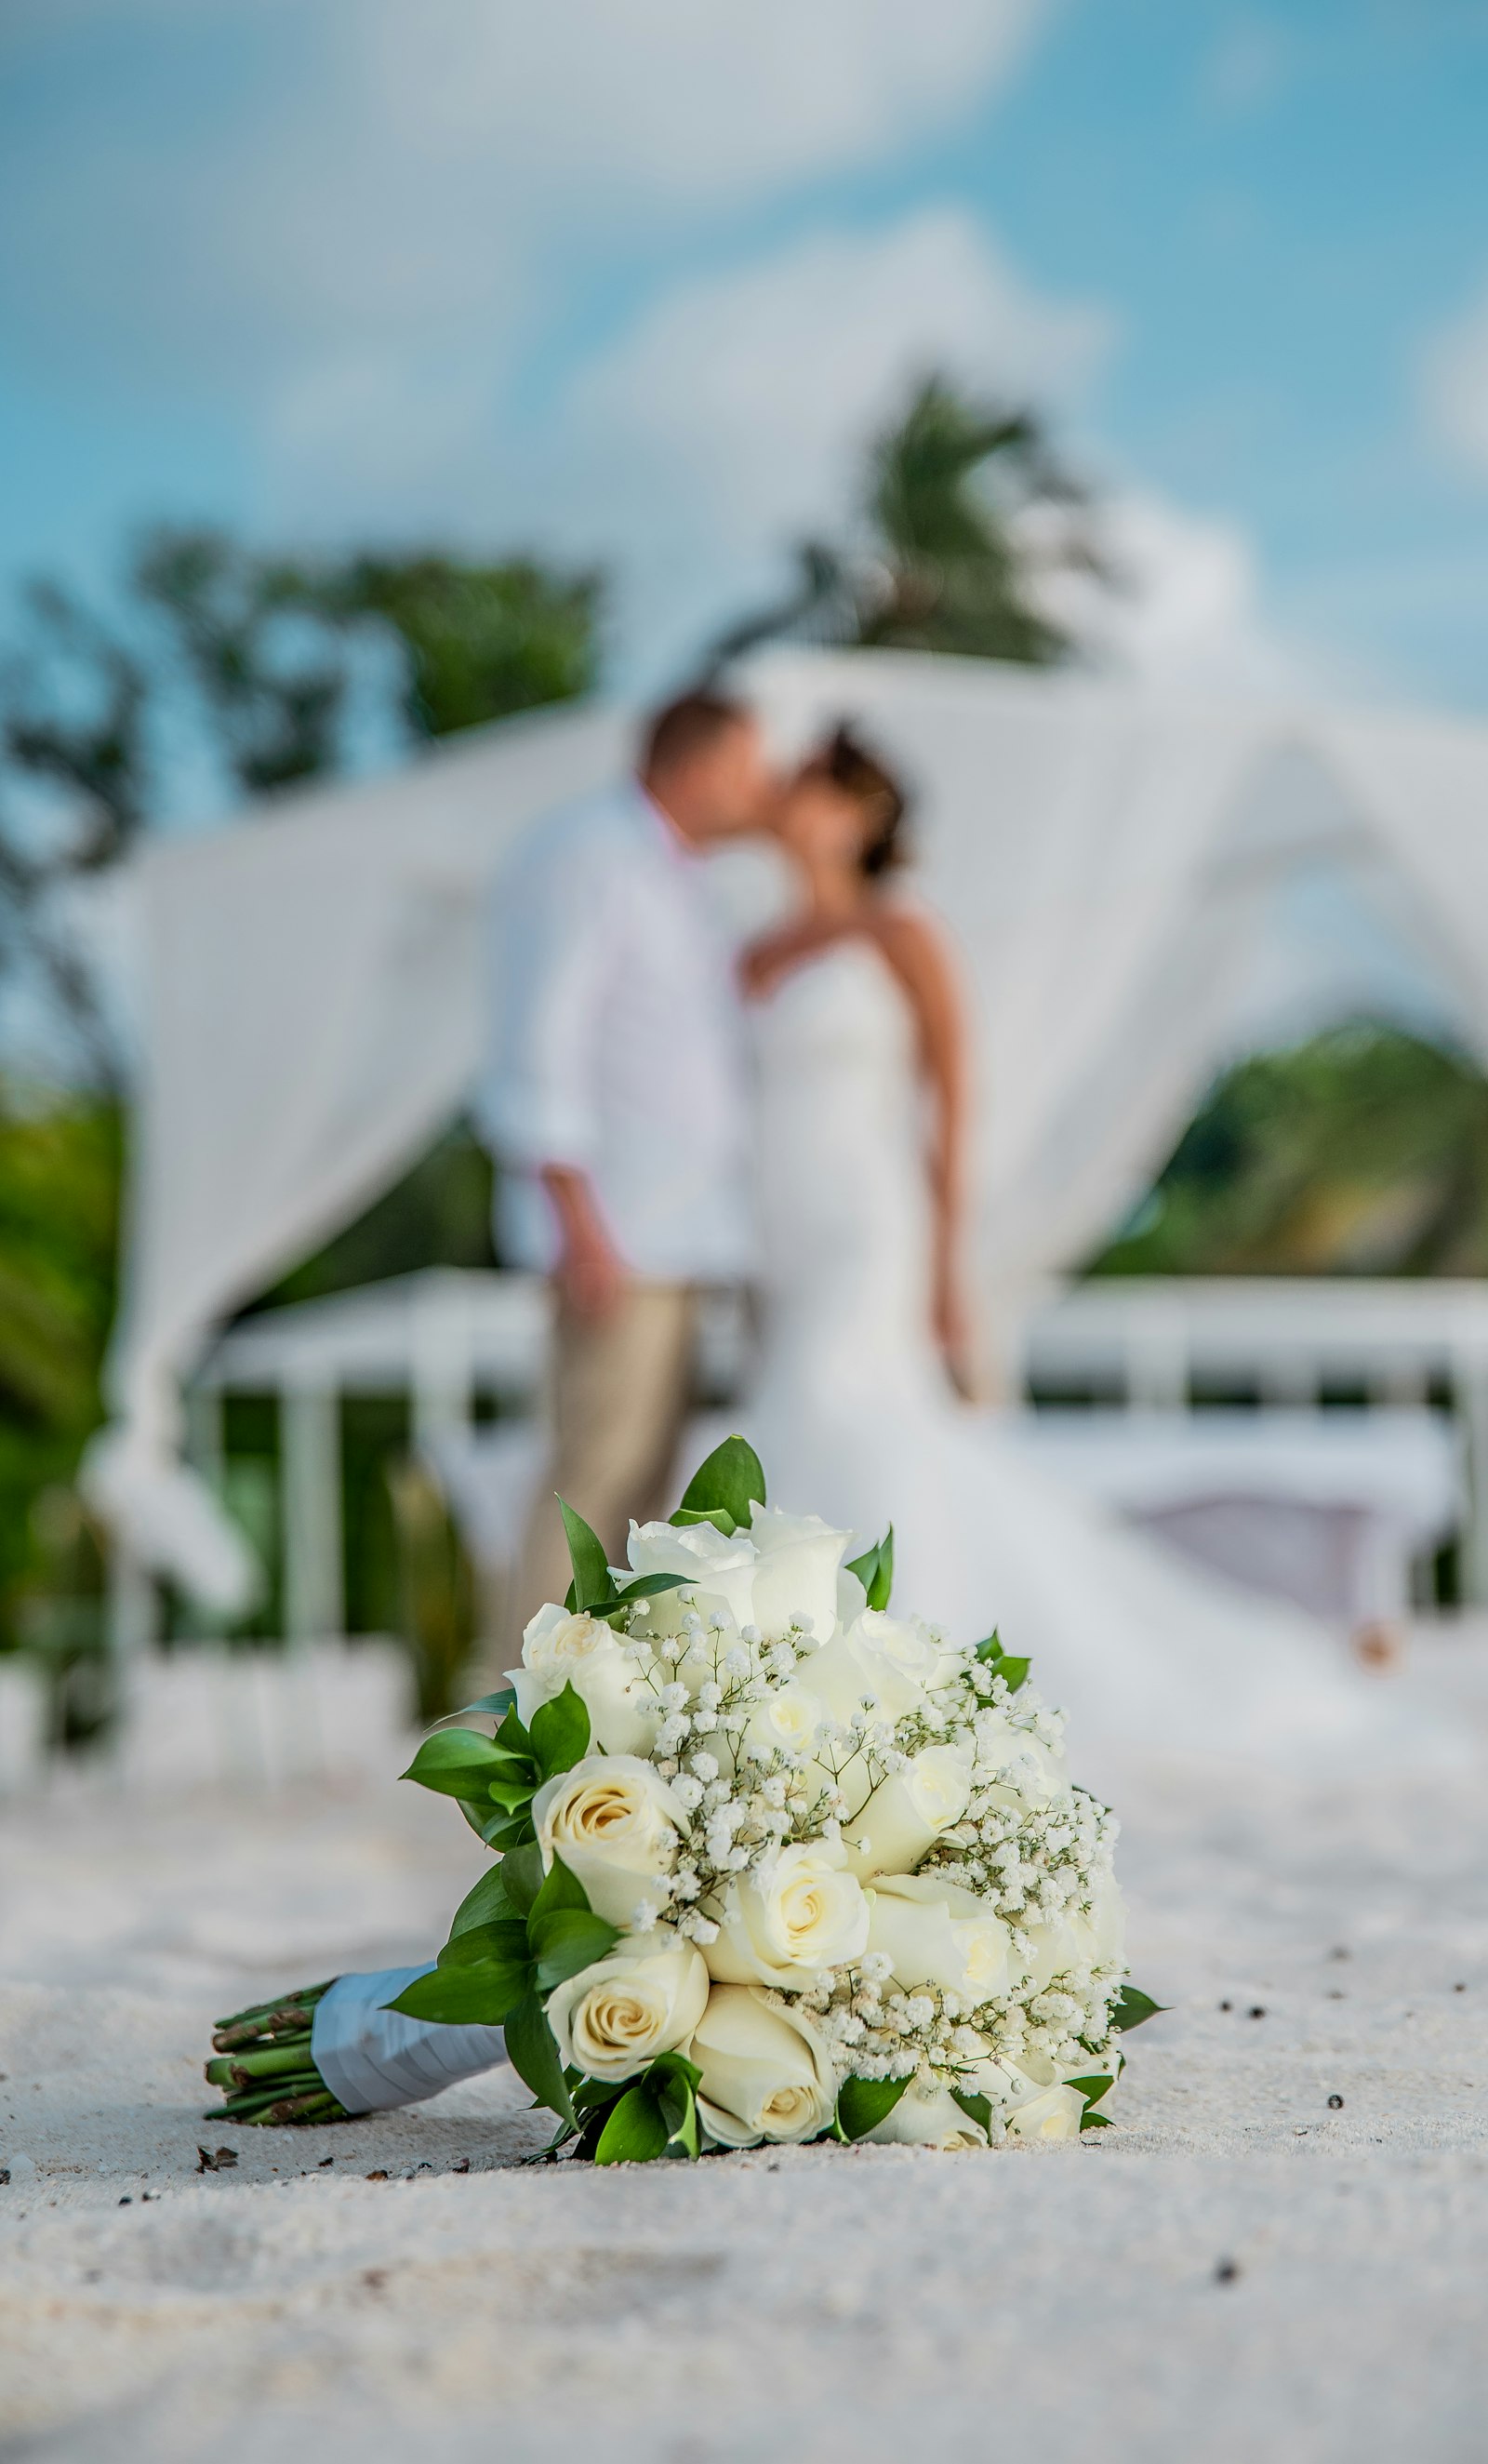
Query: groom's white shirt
point(617, 1042)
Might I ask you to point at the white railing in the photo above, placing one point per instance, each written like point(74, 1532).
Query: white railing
point(444, 1336)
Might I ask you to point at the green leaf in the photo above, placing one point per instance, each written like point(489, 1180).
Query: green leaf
point(676, 2081)
point(1092, 2090)
point(862, 2103)
point(644, 1587)
point(1012, 1672)
point(503, 1939)
point(731, 1477)
point(485, 1905)
point(557, 1889)
point(717, 1515)
point(567, 1941)
point(512, 1796)
point(560, 1732)
point(503, 1831)
point(875, 1569)
point(1132, 2009)
point(460, 1997)
point(455, 1762)
point(675, 2066)
point(976, 2107)
point(592, 2095)
point(992, 1647)
point(532, 2049)
point(501, 1702)
point(636, 2132)
point(592, 1577)
point(521, 1871)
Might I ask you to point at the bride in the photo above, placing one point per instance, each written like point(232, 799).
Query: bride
point(859, 1409)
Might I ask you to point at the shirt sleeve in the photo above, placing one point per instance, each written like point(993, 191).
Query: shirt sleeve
point(551, 947)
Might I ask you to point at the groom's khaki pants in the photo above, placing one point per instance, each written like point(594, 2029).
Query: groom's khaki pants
point(618, 1393)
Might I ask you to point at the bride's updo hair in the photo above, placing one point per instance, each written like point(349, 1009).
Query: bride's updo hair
point(860, 773)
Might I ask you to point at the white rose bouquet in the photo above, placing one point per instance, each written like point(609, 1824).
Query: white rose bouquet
point(772, 1864)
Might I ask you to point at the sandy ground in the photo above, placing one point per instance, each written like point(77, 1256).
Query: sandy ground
point(1238, 2269)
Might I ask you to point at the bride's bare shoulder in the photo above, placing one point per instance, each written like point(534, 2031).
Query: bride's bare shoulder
point(776, 954)
point(915, 943)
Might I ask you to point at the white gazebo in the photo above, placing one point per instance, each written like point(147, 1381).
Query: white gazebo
point(1112, 861)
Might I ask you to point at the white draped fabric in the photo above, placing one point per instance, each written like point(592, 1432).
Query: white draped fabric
point(1108, 859)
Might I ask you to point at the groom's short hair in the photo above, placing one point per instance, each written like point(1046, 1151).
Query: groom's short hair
point(689, 725)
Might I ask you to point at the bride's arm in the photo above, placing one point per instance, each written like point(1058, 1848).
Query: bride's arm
point(923, 961)
point(763, 962)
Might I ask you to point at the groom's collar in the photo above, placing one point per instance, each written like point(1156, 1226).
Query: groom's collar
point(661, 823)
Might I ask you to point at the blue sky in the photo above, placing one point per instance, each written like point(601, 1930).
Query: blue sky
point(633, 279)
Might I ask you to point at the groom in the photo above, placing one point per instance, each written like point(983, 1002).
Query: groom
point(615, 1103)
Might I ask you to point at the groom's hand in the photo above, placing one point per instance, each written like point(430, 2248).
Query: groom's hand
point(591, 1278)
point(590, 1273)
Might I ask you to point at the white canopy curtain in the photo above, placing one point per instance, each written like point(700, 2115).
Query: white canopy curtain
point(315, 994)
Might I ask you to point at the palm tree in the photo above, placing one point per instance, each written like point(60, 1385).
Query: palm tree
point(957, 492)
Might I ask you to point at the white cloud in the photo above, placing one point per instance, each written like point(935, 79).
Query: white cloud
point(355, 235)
point(679, 97)
point(734, 414)
point(347, 169)
point(363, 227)
point(1453, 388)
point(1184, 603)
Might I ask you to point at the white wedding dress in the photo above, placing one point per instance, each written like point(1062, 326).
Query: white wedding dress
point(854, 1419)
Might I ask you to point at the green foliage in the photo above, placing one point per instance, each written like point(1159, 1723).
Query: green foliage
point(1092, 2089)
point(270, 687)
point(273, 644)
point(1013, 1671)
point(862, 2104)
point(1363, 1150)
point(946, 483)
point(457, 1762)
point(657, 2117)
point(478, 641)
point(437, 1214)
point(594, 1590)
point(494, 1779)
point(436, 1588)
point(875, 1569)
point(497, 1969)
point(725, 1488)
point(946, 564)
point(76, 704)
point(277, 670)
point(978, 2108)
point(635, 2131)
point(60, 1172)
point(1132, 2009)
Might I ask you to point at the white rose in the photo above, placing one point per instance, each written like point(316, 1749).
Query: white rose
point(644, 1998)
point(788, 1920)
point(797, 1578)
point(1035, 1773)
point(785, 1721)
point(880, 1659)
point(721, 1569)
point(937, 1933)
point(614, 1823)
point(766, 2070)
point(926, 2116)
point(851, 1598)
point(1076, 1944)
point(559, 1649)
point(907, 1813)
point(1055, 2113)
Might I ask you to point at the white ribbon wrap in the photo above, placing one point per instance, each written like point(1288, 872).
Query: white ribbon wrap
point(372, 2059)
